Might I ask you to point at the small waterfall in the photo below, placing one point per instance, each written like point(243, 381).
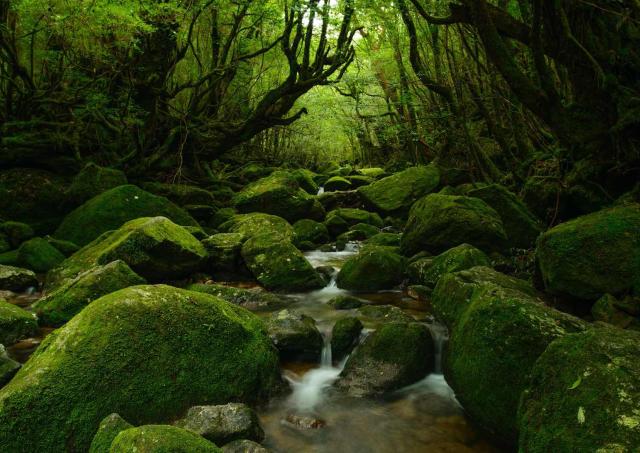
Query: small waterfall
point(326, 357)
point(440, 335)
point(321, 190)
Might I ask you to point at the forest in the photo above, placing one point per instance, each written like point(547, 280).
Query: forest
point(289, 226)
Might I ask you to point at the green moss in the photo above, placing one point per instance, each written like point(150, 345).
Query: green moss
point(62, 304)
point(383, 314)
point(373, 269)
point(9, 258)
point(307, 230)
point(612, 311)
point(15, 323)
point(295, 335)
point(112, 209)
point(337, 183)
point(40, 256)
point(67, 248)
point(278, 265)
point(8, 367)
point(92, 181)
point(584, 394)
point(16, 233)
point(16, 279)
point(251, 299)
point(440, 222)
point(344, 336)
point(181, 194)
point(384, 239)
point(458, 258)
point(373, 172)
point(395, 194)
point(161, 439)
point(224, 252)
point(344, 302)
point(306, 179)
point(109, 428)
point(221, 216)
point(4, 243)
point(133, 352)
point(340, 220)
point(593, 255)
point(257, 223)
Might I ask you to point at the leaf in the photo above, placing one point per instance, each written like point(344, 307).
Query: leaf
point(581, 417)
point(576, 383)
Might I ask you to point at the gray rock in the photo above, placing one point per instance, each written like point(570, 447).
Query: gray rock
point(295, 336)
point(223, 424)
point(16, 279)
point(244, 446)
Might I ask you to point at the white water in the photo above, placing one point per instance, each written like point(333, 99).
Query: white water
point(321, 190)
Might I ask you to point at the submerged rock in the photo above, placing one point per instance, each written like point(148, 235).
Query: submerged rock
point(15, 323)
point(593, 255)
point(584, 395)
point(344, 337)
point(394, 356)
point(161, 439)
point(295, 335)
point(373, 269)
point(620, 313)
point(223, 424)
point(181, 194)
point(16, 279)
point(133, 352)
point(109, 428)
point(252, 299)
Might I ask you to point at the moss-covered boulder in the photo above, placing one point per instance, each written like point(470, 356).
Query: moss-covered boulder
point(223, 423)
point(295, 335)
point(378, 314)
point(9, 258)
point(112, 209)
point(336, 200)
point(310, 231)
point(373, 269)
point(254, 299)
point(623, 313)
point(154, 248)
point(372, 172)
point(92, 181)
point(337, 183)
point(521, 226)
point(16, 233)
point(224, 252)
point(133, 352)
point(394, 356)
point(395, 194)
point(440, 222)
point(584, 395)
point(109, 428)
point(250, 225)
point(593, 255)
point(278, 265)
point(278, 194)
point(385, 239)
point(161, 439)
point(33, 197)
point(67, 248)
point(340, 220)
point(15, 323)
point(428, 271)
point(62, 304)
point(345, 335)
point(181, 194)
point(492, 350)
point(16, 279)
point(307, 180)
point(38, 255)
point(8, 367)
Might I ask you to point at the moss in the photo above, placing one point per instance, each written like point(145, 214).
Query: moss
point(384, 239)
point(337, 183)
point(492, 350)
point(344, 337)
point(62, 304)
point(67, 248)
point(384, 313)
point(15, 323)
point(8, 367)
point(521, 226)
point(92, 181)
point(458, 258)
point(221, 216)
point(9, 258)
point(373, 269)
point(440, 222)
point(133, 352)
point(542, 196)
point(181, 194)
point(109, 428)
point(258, 223)
point(306, 180)
point(307, 230)
point(593, 255)
point(340, 220)
point(584, 394)
point(224, 252)
point(155, 248)
point(608, 309)
point(344, 302)
point(40, 256)
point(395, 194)
point(278, 265)
point(16, 233)
point(161, 439)
point(251, 299)
point(373, 172)
point(295, 335)
point(16, 279)
point(112, 209)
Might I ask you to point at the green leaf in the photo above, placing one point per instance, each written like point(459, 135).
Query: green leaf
point(576, 383)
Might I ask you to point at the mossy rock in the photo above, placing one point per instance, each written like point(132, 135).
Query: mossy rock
point(16, 279)
point(251, 299)
point(385, 239)
point(545, 197)
point(612, 311)
point(440, 222)
point(16, 233)
point(456, 259)
point(278, 265)
point(593, 255)
point(336, 200)
point(38, 255)
point(521, 226)
point(345, 302)
point(250, 225)
point(154, 248)
point(373, 269)
point(33, 197)
point(181, 194)
point(8, 367)
point(452, 295)
point(221, 216)
point(253, 171)
point(344, 337)
point(295, 335)
point(359, 181)
point(278, 194)
point(112, 209)
point(372, 172)
point(307, 230)
point(584, 395)
point(340, 220)
point(109, 428)
point(92, 181)
point(67, 248)
point(395, 194)
point(307, 180)
point(15, 323)
point(384, 314)
point(492, 350)
point(62, 304)
point(392, 357)
point(337, 183)
point(133, 352)
point(224, 252)
point(161, 439)
point(4, 243)
point(9, 258)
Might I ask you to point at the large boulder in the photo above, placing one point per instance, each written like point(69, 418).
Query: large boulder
point(92, 181)
point(254, 299)
point(16, 279)
point(394, 356)
point(311, 232)
point(15, 323)
point(224, 252)
point(62, 304)
point(295, 335)
point(38, 255)
point(492, 350)
point(278, 194)
point(161, 439)
point(112, 209)
point(373, 269)
point(250, 225)
point(440, 222)
point(593, 255)
point(344, 336)
point(154, 248)
point(224, 423)
point(109, 428)
point(278, 265)
point(428, 271)
point(394, 195)
point(146, 352)
point(584, 395)
point(521, 226)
